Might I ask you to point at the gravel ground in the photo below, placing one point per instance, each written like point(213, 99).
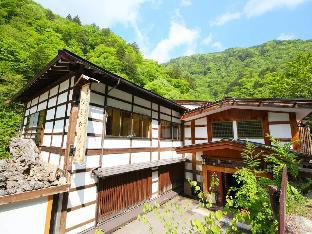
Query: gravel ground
point(183, 211)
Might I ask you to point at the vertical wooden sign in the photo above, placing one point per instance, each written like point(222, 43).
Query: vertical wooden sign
point(83, 113)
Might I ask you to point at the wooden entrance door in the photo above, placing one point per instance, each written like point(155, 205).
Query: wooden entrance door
point(214, 187)
point(120, 192)
point(170, 177)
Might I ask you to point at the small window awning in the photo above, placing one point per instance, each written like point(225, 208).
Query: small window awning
point(115, 170)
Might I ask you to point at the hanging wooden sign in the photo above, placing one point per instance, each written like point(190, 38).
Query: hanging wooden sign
point(82, 124)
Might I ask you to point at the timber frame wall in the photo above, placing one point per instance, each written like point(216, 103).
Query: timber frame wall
point(281, 125)
point(78, 208)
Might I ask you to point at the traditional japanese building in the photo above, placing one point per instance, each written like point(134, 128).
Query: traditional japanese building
point(122, 145)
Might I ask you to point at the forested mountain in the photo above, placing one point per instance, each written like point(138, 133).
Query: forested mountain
point(273, 69)
point(30, 36)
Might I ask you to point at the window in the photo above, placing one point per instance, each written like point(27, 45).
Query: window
point(34, 126)
point(176, 131)
point(249, 129)
point(222, 130)
point(165, 130)
point(141, 125)
point(118, 122)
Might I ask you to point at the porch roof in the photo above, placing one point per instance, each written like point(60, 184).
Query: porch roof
point(115, 170)
point(302, 106)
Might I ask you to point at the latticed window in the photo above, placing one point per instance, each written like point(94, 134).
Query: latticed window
point(222, 130)
point(249, 129)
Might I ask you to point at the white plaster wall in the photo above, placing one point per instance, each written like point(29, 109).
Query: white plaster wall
point(201, 121)
point(97, 99)
point(27, 217)
point(272, 116)
point(140, 110)
point(80, 215)
point(166, 155)
point(142, 102)
point(76, 198)
point(154, 156)
point(137, 143)
point(82, 178)
point(110, 160)
point(187, 132)
point(140, 157)
point(116, 143)
point(118, 104)
point(165, 117)
point(280, 130)
point(187, 142)
point(165, 110)
point(165, 143)
point(99, 87)
point(120, 94)
point(201, 132)
point(200, 141)
point(82, 228)
point(96, 112)
point(91, 161)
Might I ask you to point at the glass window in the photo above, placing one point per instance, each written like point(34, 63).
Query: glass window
point(222, 130)
point(141, 125)
point(35, 125)
point(249, 129)
point(165, 130)
point(176, 131)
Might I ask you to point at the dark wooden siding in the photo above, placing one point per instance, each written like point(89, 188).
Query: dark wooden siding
point(120, 192)
point(170, 177)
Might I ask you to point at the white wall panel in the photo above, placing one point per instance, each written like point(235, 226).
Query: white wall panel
point(116, 143)
point(52, 102)
point(58, 126)
point(176, 114)
point(187, 132)
point(188, 175)
point(62, 98)
point(80, 215)
point(187, 142)
point(90, 162)
point(198, 156)
point(140, 110)
point(154, 156)
point(188, 156)
point(83, 196)
point(81, 228)
point(111, 160)
point(118, 104)
point(82, 178)
point(68, 109)
point(57, 141)
point(155, 133)
point(99, 87)
point(64, 85)
point(199, 167)
point(154, 176)
point(272, 116)
point(137, 143)
point(44, 96)
point(188, 166)
point(155, 106)
point(42, 106)
point(140, 157)
point(280, 130)
point(154, 123)
point(35, 101)
point(94, 142)
point(95, 127)
point(165, 143)
point(54, 159)
point(97, 99)
point(24, 217)
point(176, 120)
point(46, 141)
point(201, 132)
point(200, 141)
point(72, 81)
point(154, 143)
point(48, 127)
point(155, 187)
point(45, 156)
point(165, 117)
point(201, 121)
point(96, 112)
point(142, 102)
point(53, 91)
point(61, 162)
point(60, 111)
point(64, 141)
point(28, 104)
point(177, 143)
point(165, 110)
point(166, 155)
point(120, 94)
point(199, 178)
point(33, 110)
point(154, 115)
point(254, 140)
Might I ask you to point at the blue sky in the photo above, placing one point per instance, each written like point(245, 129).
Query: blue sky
point(173, 28)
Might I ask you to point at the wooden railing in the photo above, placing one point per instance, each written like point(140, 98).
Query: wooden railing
point(305, 140)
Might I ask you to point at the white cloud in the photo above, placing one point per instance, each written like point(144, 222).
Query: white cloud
point(222, 19)
point(257, 8)
point(254, 8)
point(179, 35)
point(286, 36)
point(186, 2)
point(104, 13)
point(211, 42)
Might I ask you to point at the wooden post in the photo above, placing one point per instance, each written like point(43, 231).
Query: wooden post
point(48, 215)
point(282, 202)
point(294, 131)
point(205, 179)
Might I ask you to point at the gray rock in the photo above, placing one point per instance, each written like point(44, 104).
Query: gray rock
point(298, 225)
point(26, 170)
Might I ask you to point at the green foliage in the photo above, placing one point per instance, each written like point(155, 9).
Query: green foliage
point(252, 159)
point(275, 69)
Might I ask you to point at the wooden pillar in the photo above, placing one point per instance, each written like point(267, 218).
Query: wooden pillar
point(193, 153)
point(205, 179)
point(266, 129)
point(294, 131)
point(209, 130)
point(48, 215)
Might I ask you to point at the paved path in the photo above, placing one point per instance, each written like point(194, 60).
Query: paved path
point(182, 211)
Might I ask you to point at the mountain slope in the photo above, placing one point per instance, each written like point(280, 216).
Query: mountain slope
point(242, 72)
